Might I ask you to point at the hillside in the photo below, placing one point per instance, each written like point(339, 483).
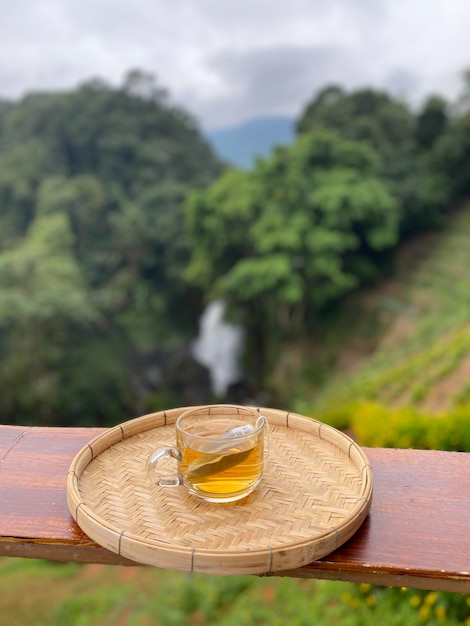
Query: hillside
point(92, 302)
point(405, 342)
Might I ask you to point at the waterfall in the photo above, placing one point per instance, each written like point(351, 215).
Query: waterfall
point(218, 347)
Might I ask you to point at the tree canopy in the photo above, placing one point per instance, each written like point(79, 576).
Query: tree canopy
point(92, 184)
point(118, 223)
point(299, 230)
point(322, 217)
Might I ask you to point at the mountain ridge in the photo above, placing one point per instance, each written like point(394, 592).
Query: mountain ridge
point(240, 144)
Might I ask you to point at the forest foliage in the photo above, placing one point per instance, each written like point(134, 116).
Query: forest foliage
point(92, 248)
point(118, 223)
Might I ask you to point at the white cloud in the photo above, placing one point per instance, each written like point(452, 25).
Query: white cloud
point(227, 61)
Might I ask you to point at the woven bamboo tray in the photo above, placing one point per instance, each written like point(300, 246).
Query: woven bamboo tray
point(315, 493)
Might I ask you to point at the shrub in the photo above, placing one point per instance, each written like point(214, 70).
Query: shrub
point(430, 607)
point(377, 425)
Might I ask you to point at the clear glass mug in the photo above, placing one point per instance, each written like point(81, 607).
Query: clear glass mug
point(220, 450)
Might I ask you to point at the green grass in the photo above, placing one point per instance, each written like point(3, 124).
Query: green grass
point(42, 593)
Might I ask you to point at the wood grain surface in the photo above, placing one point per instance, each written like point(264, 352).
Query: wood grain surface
point(416, 533)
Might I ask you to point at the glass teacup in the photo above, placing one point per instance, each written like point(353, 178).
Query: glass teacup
point(220, 451)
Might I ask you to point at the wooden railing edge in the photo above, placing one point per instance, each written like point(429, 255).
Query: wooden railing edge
point(416, 534)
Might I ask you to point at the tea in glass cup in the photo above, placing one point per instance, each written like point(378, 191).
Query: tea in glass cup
point(220, 451)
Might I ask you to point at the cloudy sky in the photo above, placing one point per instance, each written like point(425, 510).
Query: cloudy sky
point(227, 61)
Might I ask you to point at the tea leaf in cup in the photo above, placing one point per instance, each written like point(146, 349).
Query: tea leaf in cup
point(209, 464)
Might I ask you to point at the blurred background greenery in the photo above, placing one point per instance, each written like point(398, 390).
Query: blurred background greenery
point(119, 224)
point(343, 255)
point(50, 594)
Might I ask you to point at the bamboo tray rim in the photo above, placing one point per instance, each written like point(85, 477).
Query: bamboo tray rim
point(165, 552)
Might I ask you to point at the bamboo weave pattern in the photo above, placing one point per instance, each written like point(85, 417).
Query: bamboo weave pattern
point(315, 493)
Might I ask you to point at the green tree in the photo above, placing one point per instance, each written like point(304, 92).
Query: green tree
point(462, 106)
point(451, 156)
point(111, 166)
point(287, 240)
point(5, 106)
point(43, 298)
point(363, 115)
point(431, 121)
point(403, 142)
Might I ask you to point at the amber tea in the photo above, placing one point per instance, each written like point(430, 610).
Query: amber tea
point(226, 469)
point(220, 451)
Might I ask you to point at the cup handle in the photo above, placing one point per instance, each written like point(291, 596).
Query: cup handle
point(159, 455)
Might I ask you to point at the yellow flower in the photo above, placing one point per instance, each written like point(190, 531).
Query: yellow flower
point(431, 598)
point(371, 600)
point(424, 613)
point(441, 612)
point(365, 587)
point(415, 601)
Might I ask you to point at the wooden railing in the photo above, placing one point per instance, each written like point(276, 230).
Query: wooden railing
point(417, 533)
